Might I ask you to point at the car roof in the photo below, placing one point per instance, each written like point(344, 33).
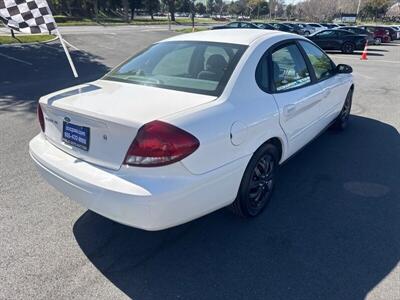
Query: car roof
point(232, 36)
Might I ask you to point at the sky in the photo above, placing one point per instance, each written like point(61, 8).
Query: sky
point(292, 1)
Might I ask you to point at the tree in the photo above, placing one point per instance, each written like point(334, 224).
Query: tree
point(290, 11)
point(152, 6)
point(238, 7)
point(219, 6)
point(171, 8)
point(375, 8)
point(200, 8)
point(210, 5)
point(125, 5)
point(134, 4)
point(183, 6)
point(253, 6)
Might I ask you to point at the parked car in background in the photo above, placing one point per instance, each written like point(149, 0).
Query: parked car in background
point(297, 28)
point(318, 27)
point(236, 24)
point(264, 26)
point(381, 35)
point(181, 129)
point(282, 27)
point(392, 32)
point(397, 30)
point(329, 25)
point(337, 39)
point(357, 30)
point(308, 29)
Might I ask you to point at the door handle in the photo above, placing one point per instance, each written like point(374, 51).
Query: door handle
point(289, 109)
point(327, 92)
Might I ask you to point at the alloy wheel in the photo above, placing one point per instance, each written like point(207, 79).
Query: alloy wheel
point(348, 48)
point(261, 184)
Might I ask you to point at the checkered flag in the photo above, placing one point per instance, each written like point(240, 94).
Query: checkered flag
point(27, 16)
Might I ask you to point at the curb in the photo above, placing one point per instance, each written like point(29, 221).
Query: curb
point(27, 44)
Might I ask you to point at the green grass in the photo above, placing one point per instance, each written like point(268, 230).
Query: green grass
point(136, 21)
point(188, 30)
point(21, 39)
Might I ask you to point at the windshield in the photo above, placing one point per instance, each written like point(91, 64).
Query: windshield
point(190, 66)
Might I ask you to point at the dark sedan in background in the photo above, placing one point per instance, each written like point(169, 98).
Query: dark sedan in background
point(264, 26)
point(235, 25)
point(361, 31)
point(282, 27)
point(296, 28)
point(338, 39)
point(330, 25)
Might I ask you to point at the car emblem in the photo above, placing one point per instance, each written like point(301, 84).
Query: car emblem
point(67, 120)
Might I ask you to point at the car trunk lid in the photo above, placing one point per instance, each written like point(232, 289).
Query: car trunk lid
point(97, 122)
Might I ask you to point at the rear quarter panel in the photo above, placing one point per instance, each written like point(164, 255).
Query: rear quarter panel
point(243, 103)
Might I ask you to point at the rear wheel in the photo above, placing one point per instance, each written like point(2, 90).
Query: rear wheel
point(378, 41)
point(258, 182)
point(348, 48)
point(342, 120)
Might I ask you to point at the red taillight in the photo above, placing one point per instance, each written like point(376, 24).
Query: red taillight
point(159, 144)
point(40, 117)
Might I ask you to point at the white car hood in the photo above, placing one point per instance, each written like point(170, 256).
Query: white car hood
point(124, 103)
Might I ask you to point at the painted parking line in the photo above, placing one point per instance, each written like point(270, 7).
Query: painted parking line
point(72, 46)
point(16, 59)
point(363, 75)
point(373, 60)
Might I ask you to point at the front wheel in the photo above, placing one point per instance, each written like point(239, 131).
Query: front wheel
point(342, 120)
point(378, 41)
point(258, 182)
point(348, 48)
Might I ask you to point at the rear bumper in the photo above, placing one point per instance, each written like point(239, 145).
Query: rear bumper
point(142, 201)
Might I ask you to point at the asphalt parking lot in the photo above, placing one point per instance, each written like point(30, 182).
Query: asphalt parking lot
point(331, 232)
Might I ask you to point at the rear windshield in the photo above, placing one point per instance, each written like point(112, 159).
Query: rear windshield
point(190, 66)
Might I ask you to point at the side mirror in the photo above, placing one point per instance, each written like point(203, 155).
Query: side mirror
point(344, 69)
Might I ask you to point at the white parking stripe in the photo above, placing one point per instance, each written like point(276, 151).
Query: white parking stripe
point(72, 46)
point(16, 59)
point(374, 60)
point(362, 75)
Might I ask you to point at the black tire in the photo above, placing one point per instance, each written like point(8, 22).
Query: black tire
point(348, 48)
point(342, 120)
point(258, 182)
point(378, 41)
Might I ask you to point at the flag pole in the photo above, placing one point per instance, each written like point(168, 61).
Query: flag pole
point(71, 63)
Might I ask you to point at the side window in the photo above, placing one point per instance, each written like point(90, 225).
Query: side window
point(321, 63)
point(233, 25)
point(289, 68)
point(247, 25)
point(326, 34)
point(343, 33)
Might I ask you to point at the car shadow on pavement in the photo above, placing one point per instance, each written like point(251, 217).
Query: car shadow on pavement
point(31, 71)
point(377, 50)
point(391, 44)
point(357, 53)
point(331, 232)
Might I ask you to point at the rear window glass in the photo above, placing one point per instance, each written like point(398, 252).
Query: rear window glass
point(191, 66)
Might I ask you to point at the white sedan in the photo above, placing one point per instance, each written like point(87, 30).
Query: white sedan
point(192, 124)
